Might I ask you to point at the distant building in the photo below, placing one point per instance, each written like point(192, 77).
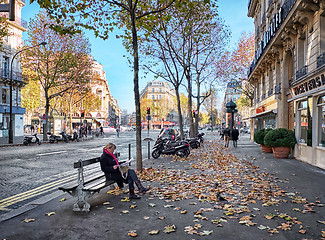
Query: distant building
point(12, 43)
point(232, 93)
point(163, 98)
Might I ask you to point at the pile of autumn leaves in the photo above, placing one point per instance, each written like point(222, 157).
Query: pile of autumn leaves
point(214, 172)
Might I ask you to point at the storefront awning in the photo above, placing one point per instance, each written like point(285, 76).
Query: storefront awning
point(272, 111)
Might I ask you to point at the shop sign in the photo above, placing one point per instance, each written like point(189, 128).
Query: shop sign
point(260, 109)
point(309, 85)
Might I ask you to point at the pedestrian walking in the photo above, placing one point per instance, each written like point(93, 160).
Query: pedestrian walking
point(101, 130)
point(222, 133)
point(226, 136)
point(118, 131)
point(32, 129)
point(89, 129)
point(235, 134)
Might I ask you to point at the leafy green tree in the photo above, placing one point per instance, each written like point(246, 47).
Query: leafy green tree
point(4, 31)
point(102, 17)
point(61, 65)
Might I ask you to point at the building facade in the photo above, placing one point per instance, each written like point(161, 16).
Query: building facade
point(12, 44)
point(163, 100)
point(289, 72)
point(232, 93)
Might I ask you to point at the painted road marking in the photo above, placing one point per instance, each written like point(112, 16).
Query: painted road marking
point(50, 153)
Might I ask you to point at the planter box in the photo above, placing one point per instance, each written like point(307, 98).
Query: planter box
point(266, 149)
point(281, 152)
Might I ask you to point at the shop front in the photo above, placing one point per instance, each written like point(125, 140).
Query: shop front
point(309, 106)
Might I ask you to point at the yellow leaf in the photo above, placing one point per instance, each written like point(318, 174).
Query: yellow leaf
point(62, 199)
point(126, 199)
point(27, 220)
point(106, 203)
point(110, 208)
point(146, 217)
point(323, 234)
point(154, 232)
point(132, 233)
point(302, 231)
point(169, 229)
point(183, 212)
point(50, 214)
point(125, 211)
point(133, 206)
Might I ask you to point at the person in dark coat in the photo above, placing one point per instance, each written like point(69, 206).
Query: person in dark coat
point(235, 134)
point(227, 135)
point(110, 166)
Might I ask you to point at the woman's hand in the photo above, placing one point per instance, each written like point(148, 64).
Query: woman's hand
point(115, 166)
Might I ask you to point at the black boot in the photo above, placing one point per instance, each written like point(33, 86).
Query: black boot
point(133, 195)
point(141, 188)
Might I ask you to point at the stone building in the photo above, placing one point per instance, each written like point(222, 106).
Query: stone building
point(12, 45)
point(163, 98)
point(289, 72)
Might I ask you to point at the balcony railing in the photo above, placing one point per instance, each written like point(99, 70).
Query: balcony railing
point(286, 8)
point(16, 76)
point(270, 92)
point(301, 72)
point(321, 60)
point(270, 2)
point(263, 96)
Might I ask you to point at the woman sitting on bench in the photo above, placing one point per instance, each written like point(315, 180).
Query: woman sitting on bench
point(110, 166)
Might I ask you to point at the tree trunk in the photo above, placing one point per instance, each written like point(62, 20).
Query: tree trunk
point(45, 126)
point(180, 117)
point(189, 85)
point(136, 92)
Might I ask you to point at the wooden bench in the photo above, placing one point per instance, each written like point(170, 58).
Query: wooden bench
point(90, 181)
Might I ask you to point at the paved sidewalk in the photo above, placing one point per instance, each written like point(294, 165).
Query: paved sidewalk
point(267, 198)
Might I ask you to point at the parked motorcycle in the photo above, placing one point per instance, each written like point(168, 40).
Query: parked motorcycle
point(53, 138)
point(74, 137)
point(200, 137)
point(65, 137)
point(194, 142)
point(29, 140)
point(168, 147)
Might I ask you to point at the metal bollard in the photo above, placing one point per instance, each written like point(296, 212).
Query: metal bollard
point(129, 151)
point(148, 149)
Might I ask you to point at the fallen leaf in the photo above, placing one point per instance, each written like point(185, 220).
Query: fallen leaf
point(133, 206)
point(154, 232)
point(302, 231)
point(162, 218)
point(62, 199)
point(125, 211)
point(125, 199)
point(323, 234)
point(50, 214)
point(323, 222)
point(261, 227)
point(205, 233)
point(183, 212)
point(110, 208)
point(152, 204)
point(146, 217)
point(106, 203)
point(132, 233)
point(27, 220)
point(169, 229)
point(269, 216)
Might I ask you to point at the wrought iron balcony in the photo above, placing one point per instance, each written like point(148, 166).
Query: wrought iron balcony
point(270, 2)
point(321, 60)
point(286, 7)
point(277, 89)
point(16, 76)
point(270, 92)
point(301, 72)
point(263, 96)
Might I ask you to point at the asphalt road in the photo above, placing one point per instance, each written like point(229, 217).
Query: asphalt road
point(30, 172)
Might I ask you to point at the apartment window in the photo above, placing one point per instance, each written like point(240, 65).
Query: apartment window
point(159, 96)
point(5, 95)
point(5, 66)
point(160, 90)
point(304, 113)
point(321, 124)
point(153, 97)
point(322, 33)
point(153, 90)
point(301, 52)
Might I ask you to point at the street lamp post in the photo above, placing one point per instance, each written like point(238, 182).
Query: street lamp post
point(11, 131)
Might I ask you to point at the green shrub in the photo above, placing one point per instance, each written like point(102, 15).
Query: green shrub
point(280, 137)
point(260, 134)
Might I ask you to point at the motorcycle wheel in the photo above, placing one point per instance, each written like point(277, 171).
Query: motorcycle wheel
point(187, 152)
point(155, 154)
point(181, 153)
point(25, 143)
point(39, 142)
point(77, 139)
point(52, 141)
point(66, 140)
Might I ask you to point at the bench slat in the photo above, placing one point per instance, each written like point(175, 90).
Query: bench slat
point(86, 162)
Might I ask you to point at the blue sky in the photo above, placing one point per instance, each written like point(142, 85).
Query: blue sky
point(110, 52)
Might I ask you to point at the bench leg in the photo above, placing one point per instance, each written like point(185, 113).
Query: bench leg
point(81, 204)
